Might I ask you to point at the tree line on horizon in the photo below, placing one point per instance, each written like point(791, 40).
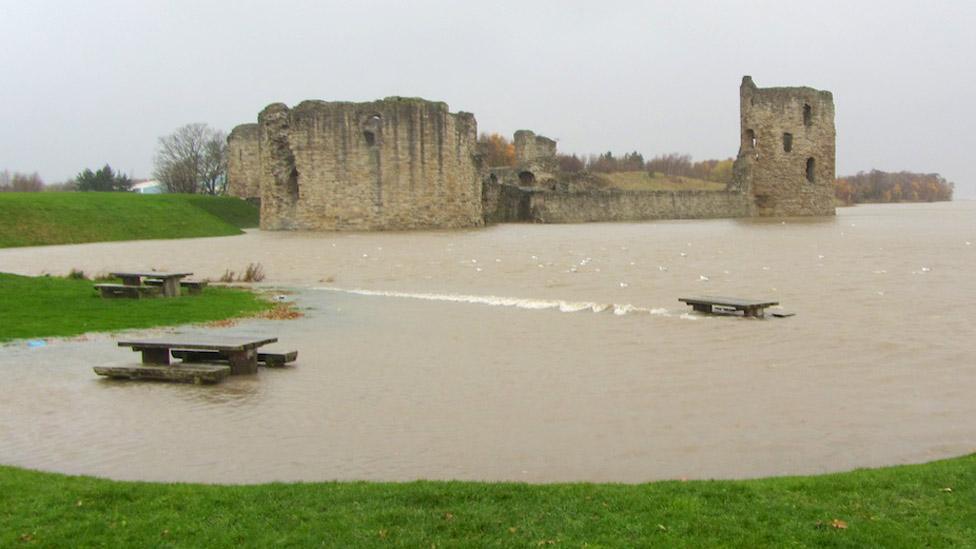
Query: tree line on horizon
point(18, 182)
point(193, 159)
point(885, 187)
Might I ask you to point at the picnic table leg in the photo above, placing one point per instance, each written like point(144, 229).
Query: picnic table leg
point(131, 280)
point(171, 287)
point(243, 362)
point(755, 312)
point(155, 356)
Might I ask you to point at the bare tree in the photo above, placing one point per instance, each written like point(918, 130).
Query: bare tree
point(192, 159)
point(20, 182)
point(670, 164)
point(214, 169)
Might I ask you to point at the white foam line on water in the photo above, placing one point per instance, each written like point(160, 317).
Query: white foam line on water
point(517, 302)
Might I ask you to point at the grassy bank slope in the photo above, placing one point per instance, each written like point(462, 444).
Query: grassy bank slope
point(643, 181)
point(34, 307)
point(36, 219)
point(931, 505)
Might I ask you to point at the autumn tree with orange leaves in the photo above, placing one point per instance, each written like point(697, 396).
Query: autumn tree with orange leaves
point(496, 150)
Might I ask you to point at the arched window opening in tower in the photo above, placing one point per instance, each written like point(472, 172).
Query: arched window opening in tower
point(370, 128)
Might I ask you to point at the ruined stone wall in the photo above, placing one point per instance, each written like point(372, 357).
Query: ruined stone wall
point(504, 203)
point(244, 162)
point(509, 203)
point(531, 148)
point(399, 163)
point(786, 156)
point(617, 205)
point(535, 161)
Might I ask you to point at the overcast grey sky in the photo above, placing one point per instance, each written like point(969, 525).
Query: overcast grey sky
point(85, 83)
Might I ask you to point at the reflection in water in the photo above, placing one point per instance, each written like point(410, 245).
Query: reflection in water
point(496, 355)
point(241, 391)
point(761, 221)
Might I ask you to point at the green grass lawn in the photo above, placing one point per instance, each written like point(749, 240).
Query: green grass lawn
point(930, 505)
point(36, 219)
point(642, 181)
point(35, 307)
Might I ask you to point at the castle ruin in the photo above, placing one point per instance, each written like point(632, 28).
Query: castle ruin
point(403, 163)
point(786, 156)
point(398, 163)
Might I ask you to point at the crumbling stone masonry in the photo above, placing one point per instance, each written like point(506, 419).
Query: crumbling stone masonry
point(786, 156)
point(244, 162)
point(535, 162)
point(398, 163)
point(534, 151)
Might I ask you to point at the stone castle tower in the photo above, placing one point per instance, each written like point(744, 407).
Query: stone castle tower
point(786, 156)
point(244, 162)
point(398, 163)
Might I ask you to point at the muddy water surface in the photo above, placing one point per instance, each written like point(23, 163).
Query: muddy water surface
point(538, 353)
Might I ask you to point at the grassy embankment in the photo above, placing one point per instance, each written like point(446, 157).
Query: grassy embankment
point(37, 219)
point(34, 307)
point(643, 181)
point(931, 505)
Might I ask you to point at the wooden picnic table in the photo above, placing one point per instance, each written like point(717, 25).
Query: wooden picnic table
point(240, 351)
point(749, 307)
point(171, 281)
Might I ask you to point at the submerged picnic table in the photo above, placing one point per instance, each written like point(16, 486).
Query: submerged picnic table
point(239, 351)
point(171, 281)
point(749, 307)
point(206, 359)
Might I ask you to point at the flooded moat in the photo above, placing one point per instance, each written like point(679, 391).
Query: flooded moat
point(537, 353)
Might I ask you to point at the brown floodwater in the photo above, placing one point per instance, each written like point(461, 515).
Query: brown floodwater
point(537, 353)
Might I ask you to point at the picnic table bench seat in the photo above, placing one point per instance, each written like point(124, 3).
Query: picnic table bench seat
point(192, 286)
point(185, 373)
point(127, 290)
point(269, 359)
